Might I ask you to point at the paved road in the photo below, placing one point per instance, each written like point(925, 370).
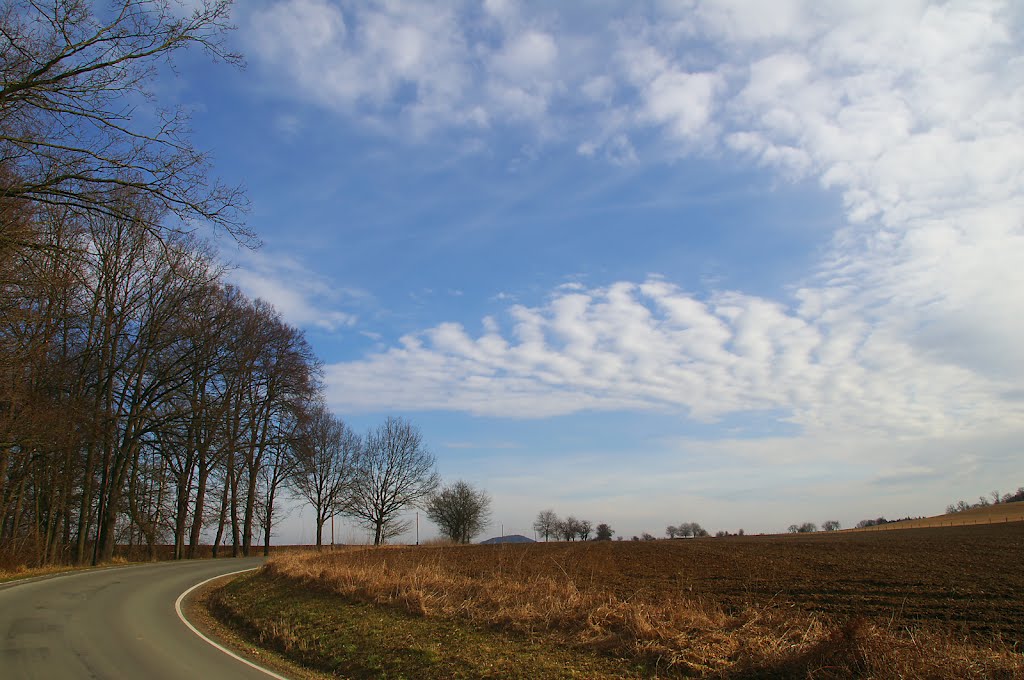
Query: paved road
point(112, 623)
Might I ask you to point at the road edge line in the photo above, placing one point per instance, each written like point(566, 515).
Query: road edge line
point(177, 608)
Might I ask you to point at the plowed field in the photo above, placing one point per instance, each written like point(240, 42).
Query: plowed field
point(969, 579)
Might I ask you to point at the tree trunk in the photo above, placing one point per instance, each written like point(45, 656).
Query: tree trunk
point(235, 538)
point(223, 518)
point(5, 457)
point(181, 515)
point(155, 525)
point(267, 530)
point(197, 513)
point(85, 506)
point(250, 508)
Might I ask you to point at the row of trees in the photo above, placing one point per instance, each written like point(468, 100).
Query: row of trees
point(811, 527)
point(142, 398)
point(984, 501)
point(133, 382)
point(138, 388)
point(686, 530)
point(372, 479)
point(548, 524)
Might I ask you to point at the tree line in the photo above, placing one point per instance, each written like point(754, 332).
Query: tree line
point(549, 525)
point(686, 530)
point(984, 501)
point(142, 397)
point(811, 527)
point(123, 356)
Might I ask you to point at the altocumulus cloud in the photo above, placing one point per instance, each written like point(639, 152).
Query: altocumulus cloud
point(911, 112)
point(650, 346)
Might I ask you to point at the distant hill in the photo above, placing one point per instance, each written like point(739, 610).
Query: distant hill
point(514, 538)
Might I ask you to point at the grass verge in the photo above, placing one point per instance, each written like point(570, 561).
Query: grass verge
point(425, 613)
point(355, 639)
point(20, 573)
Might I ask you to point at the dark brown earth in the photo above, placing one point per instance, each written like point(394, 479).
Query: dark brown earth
point(966, 579)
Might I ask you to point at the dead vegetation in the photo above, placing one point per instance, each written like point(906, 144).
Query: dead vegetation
point(578, 596)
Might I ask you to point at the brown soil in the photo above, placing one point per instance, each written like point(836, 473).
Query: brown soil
point(967, 580)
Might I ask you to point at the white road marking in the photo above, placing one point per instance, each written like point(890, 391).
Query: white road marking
point(177, 608)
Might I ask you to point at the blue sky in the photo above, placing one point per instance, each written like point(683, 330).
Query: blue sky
point(746, 264)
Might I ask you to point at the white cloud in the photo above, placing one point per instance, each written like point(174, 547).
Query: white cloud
point(913, 112)
point(303, 297)
point(598, 88)
point(682, 101)
point(528, 55)
point(653, 347)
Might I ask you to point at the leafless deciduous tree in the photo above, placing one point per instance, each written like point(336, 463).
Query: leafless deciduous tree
point(546, 524)
point(690, 529)
point(569, 528)
point(72, 128)
point(394, 472)
point(327, 450)
point(131, 380)
point(460, 511)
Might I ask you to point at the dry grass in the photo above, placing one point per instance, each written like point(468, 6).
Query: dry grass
point(21, 571)
point(676, 630)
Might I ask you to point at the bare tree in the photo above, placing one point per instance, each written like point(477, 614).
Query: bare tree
point(603, 532)
point(671, 531)
point(568, 528)
point(70, 130)
point(327, 450)
point(136, 299)
point(460, 511)
point(274, 475)
point(546, 524)
point(831, 525)
point(132, 384)
point(285, 378)
point(688, 529)
point(393, 472)
point(583, 529)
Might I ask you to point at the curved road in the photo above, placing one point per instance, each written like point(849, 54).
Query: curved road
point(112, 623)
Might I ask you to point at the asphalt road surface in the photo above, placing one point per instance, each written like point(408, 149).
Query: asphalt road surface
point(112, 623)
